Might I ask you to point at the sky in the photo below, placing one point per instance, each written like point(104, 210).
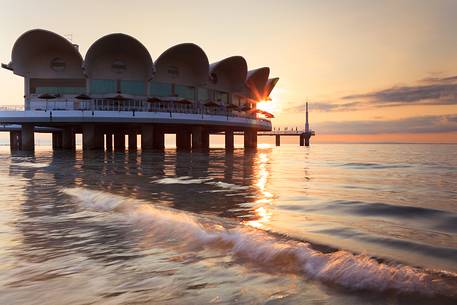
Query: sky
point(372, 71)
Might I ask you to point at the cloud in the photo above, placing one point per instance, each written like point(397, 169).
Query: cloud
point(428, 91)
point(430, 94)
point(326, 106)
point(424, 124)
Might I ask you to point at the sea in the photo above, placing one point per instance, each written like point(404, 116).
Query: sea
point(326, 224)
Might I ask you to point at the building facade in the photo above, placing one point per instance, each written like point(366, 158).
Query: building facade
point(118, 74)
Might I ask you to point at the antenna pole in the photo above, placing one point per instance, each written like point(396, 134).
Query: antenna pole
point(307, 123)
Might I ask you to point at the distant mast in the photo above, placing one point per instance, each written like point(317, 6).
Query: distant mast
point(307, 123)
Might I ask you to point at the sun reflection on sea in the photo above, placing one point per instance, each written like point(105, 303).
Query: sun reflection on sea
point(264, 200)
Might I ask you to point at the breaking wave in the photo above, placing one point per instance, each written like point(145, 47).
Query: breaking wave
point(30, 164)
point(352, 271)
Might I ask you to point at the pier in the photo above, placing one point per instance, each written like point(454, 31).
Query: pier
point(304, 135)
point(117, 91)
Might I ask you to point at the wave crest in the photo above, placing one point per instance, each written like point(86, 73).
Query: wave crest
point(353, 271)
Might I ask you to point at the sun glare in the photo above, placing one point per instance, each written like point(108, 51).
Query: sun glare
point(271, 105)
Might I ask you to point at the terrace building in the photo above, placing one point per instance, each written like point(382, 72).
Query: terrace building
point(117, 89)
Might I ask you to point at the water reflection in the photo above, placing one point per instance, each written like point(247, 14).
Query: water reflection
point(54, 240)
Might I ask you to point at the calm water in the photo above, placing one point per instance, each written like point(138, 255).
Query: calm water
point(332, 224)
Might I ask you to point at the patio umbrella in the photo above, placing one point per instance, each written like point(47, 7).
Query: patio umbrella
point(232, 106)
point(183, 101)
point(154, 100)
point(267, 114)
point(83, 97)
point(117, 96)
point(246, 108)
point(46, 96)
point(211, 104)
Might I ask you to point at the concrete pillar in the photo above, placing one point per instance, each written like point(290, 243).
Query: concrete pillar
point(196, 137)
point(183, 139)
point(158, 138)
point(133, 145)
point(250, 138)
point(205, 139)
point(307, 137)
point(302, 139)
point(28, 137)
point(89, 137)
point(15, 140)
point(119, 141)
point(68, 138)
point(56, 140)
point(200, 138)
point(109, 141)
point(278, 140)
point(229, 139)
point(147, 137)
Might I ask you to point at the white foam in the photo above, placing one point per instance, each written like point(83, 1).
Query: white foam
point(181, 180)
point(31, 164)
point(340, 267)
point(228, 186)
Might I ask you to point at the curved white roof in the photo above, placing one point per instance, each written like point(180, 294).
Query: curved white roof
point(271, 83)
point(118, 56)
point(229, 74)
point(256, 81)
point(184, 63)
point(44, 54)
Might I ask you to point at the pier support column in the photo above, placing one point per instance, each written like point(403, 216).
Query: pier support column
point(109, 141)
point(119, 141)
point(205, 139)
point(68, 138)
point(183, 139)
point(229, 139)
point(133, 145)
point(250, 138)
point(28, 137)
point(307, 137)
point(56, 140)
point(302, 139)
point(147, 137)
point(158, 138)
point(200, 138)
point(90, 140)
point(196, 137)
point(278, 140)
point(15, 140)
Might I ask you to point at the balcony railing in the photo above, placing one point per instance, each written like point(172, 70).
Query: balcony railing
point(135, 105)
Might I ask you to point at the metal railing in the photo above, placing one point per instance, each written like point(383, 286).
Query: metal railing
point(136, 105)
point(11, 107)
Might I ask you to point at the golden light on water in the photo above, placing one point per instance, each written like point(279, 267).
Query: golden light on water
point(264, 200)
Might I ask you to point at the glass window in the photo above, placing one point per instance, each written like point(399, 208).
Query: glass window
point(221, 97)
point(160, 89)
point(186, 92)
point(102, 86)
point(203, 94)
point(60, 90)
point(135, 87)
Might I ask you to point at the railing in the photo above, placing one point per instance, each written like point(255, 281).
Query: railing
point(11, 107)
point(136, 105)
